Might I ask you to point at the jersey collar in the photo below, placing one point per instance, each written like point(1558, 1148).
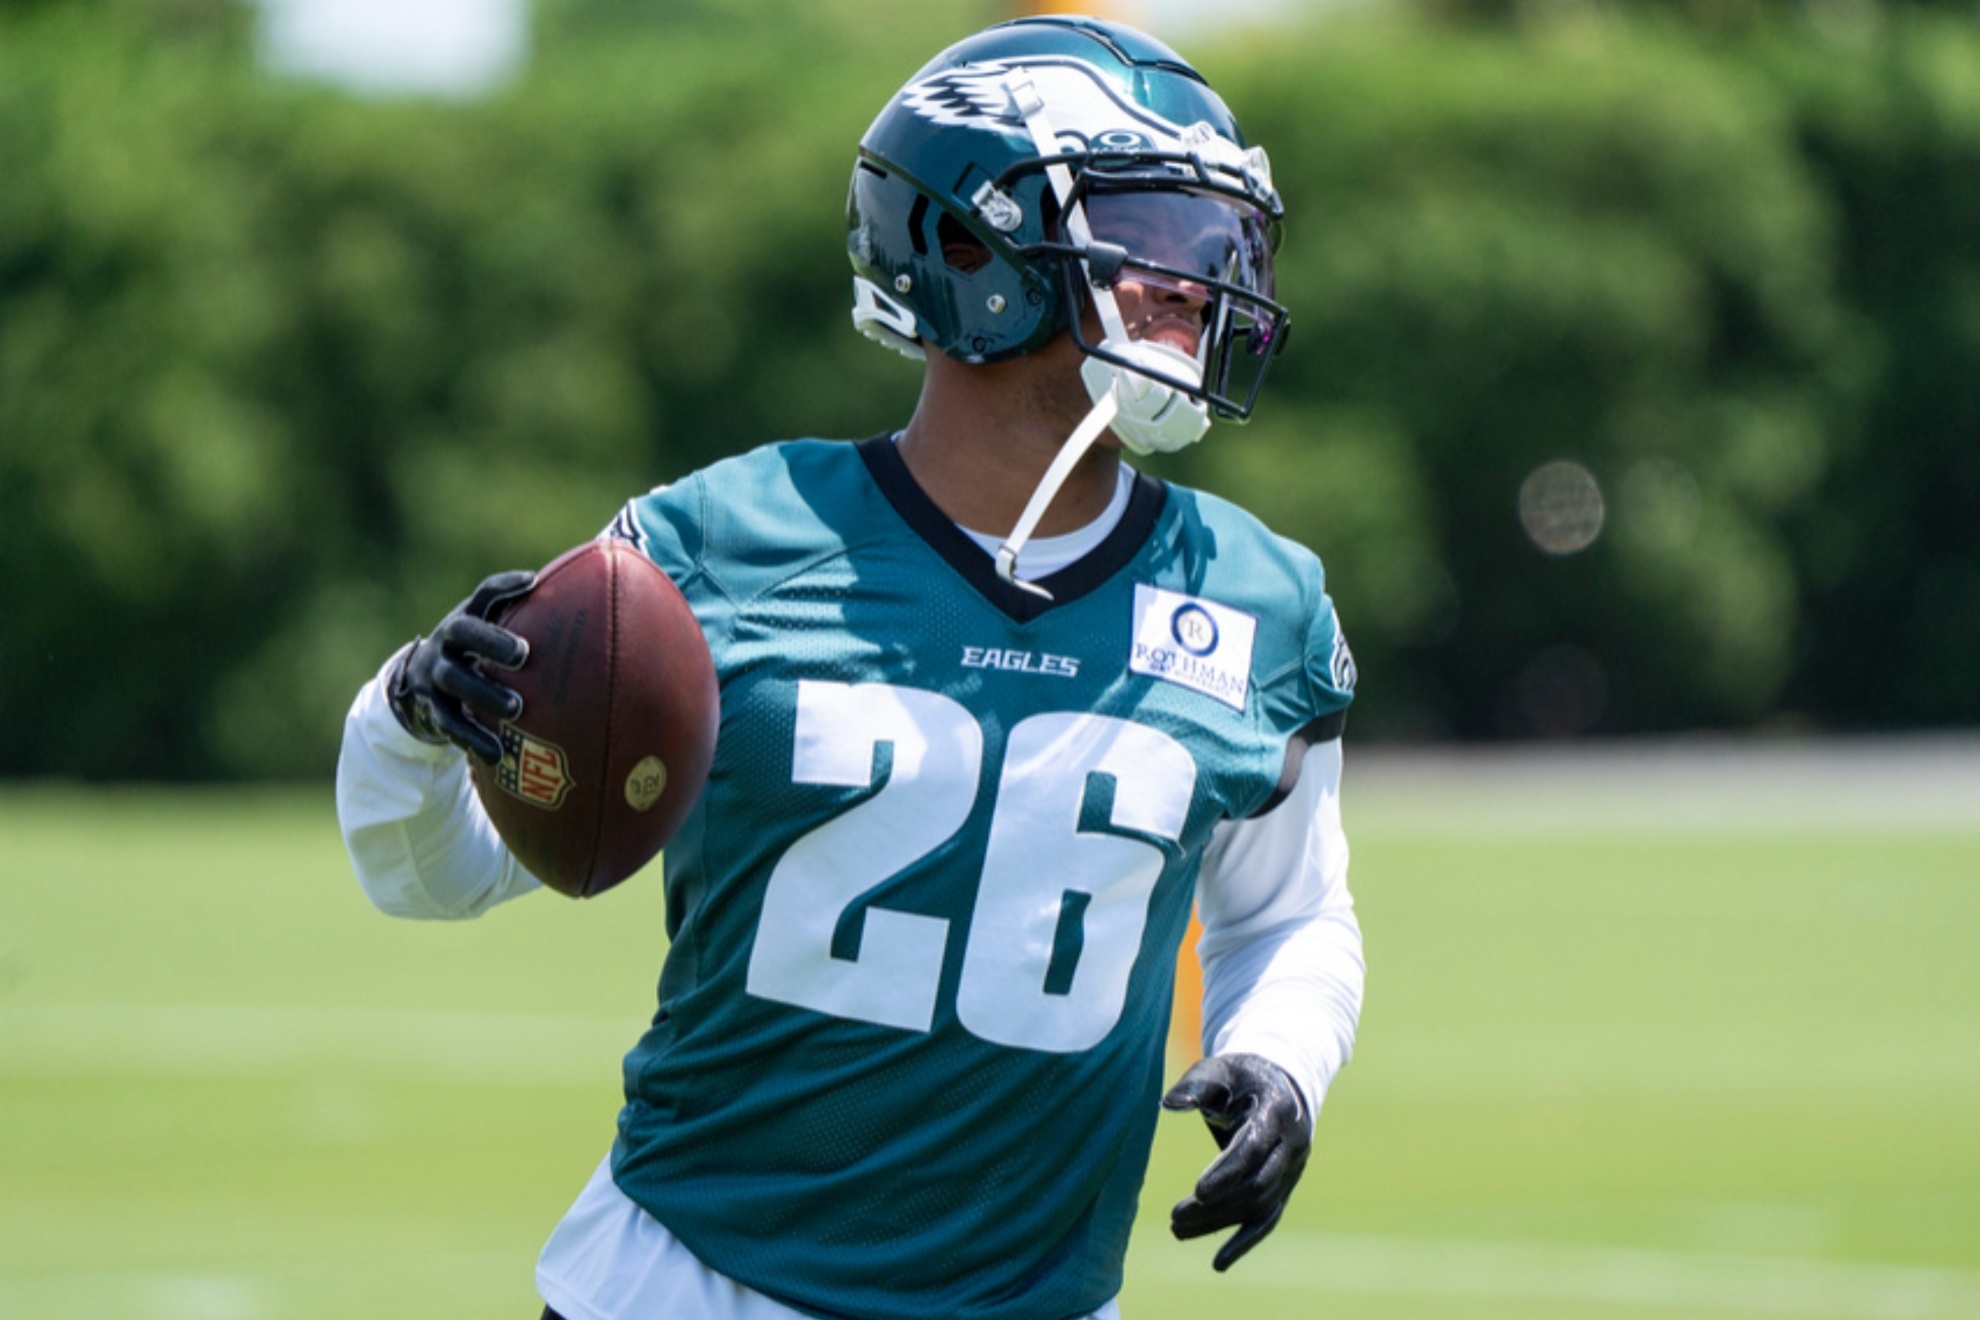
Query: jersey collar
point(890, 473)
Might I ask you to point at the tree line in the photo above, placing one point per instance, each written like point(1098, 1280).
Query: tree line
point(1631, 385)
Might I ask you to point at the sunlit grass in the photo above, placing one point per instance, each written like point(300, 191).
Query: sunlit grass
point(1605, 1071)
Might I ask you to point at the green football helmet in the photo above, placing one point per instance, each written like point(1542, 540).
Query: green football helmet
point(1029, 170)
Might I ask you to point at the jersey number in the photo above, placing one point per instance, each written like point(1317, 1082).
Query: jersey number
point(1060, 908)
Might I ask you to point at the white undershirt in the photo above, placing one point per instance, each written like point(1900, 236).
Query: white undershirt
point(1043, 556)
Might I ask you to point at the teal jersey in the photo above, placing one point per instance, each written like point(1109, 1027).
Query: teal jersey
point(924, 920)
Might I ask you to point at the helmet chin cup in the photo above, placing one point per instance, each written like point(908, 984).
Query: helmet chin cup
point(1154, 416)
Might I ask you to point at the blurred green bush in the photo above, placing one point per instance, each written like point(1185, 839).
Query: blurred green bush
point(282, 374)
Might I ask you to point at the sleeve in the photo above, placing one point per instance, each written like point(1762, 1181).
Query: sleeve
point(418, 838)
point(1281, 948)
point(669, 525)
point(1307, 695)
point(1330, 671)
point(676, 527)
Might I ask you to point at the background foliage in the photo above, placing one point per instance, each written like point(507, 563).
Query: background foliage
point(282, 374)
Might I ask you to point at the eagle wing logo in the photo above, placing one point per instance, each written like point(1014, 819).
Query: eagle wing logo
point(971, 97)
point(1342, 667)
point(1083, 105)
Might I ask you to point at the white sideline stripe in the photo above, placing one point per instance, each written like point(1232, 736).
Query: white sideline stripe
point(455, 1281)
point(480, 1049)
point(1708, 786)
point(1706, 1281)
point(138, 1296)
point(1330, 1263)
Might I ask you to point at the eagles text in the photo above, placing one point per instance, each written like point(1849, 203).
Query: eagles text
point(1029, 662)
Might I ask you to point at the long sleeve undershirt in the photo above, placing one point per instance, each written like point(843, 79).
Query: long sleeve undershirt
point(1281, 949)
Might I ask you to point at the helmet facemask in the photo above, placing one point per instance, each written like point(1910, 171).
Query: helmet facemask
point(1166, 233)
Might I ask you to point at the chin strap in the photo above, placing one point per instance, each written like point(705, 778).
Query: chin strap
point(1147, 414)
point(1031, 106)
point(1068, 457)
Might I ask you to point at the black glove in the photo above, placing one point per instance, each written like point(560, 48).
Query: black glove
point(1255, 1112)
point(436, 691)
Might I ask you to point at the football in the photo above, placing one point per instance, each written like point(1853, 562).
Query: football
point(618, 722)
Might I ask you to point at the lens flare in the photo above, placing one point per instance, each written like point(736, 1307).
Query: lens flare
point(1560, 507)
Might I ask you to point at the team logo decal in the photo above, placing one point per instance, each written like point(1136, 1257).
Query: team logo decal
point(1084, 106)
point(1086, 113)
point(625, 527)
point(1342, 669)
point(532, 769)
point(1194, 643)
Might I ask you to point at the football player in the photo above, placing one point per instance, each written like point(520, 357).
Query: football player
point(996, 710)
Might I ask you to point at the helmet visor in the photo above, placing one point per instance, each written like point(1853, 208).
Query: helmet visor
point(1197, 275)
point(1216, 240)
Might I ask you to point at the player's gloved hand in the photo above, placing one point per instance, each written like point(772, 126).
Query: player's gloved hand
point(1255, 1112)
point(436, 691)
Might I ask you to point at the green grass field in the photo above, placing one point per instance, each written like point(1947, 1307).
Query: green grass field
point(1632, 1049)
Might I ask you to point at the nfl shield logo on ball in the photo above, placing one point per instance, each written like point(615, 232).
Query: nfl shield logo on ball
point(532, 769)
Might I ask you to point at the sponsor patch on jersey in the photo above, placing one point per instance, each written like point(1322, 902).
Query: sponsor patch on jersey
point(532, 769)
point(1193, 642)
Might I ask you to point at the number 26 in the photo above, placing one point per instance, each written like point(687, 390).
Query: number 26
point(1050, 895)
